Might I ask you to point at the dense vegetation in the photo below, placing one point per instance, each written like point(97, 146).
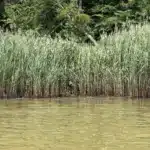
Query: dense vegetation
point(42, 66)
point(80, 18)
point(46, 53)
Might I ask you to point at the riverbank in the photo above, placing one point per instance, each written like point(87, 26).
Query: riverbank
point(34, 66)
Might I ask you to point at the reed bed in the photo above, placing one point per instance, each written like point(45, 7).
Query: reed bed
point(35, 66)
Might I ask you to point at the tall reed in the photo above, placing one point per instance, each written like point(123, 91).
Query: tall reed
point(36, 66)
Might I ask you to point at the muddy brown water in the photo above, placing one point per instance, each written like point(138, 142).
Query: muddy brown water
point(75, 124)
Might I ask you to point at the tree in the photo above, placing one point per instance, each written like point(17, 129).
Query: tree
point(77, 17)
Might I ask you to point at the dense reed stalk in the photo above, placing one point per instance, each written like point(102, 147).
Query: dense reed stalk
point(35, 66)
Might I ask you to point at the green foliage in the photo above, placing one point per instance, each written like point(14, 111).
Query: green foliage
point(82, 19)
point(63, 17)
point(116, 66)
point(77, 17)
point(25, 14)
point(2, 11)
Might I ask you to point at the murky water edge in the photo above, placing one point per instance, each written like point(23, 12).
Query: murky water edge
point(75, 123)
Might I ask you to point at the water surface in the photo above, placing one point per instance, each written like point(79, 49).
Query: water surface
point(75, 124)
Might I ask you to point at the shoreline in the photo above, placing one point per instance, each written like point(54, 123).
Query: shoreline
point(78, 98)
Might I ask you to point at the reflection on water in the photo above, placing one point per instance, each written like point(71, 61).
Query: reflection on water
point(73, 123)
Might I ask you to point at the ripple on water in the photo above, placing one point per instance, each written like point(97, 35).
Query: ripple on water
point(42, 126)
